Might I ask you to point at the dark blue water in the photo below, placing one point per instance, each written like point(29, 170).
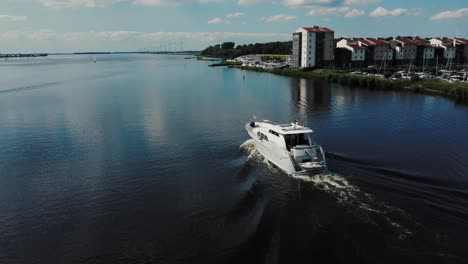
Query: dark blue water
point(144, 159)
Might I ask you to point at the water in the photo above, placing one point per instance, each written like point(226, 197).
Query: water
point(144, 159)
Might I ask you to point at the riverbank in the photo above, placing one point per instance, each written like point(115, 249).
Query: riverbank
point(24, 55)
point(226, 63)
point(457, 91)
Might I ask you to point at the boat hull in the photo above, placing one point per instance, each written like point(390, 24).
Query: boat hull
point(280, 158)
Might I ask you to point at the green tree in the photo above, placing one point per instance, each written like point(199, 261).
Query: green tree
point(228, 45)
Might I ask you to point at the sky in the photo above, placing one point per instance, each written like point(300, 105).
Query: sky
point(136, 25)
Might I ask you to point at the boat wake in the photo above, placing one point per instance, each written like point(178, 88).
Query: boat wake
point(248, 148)
point(360, 204)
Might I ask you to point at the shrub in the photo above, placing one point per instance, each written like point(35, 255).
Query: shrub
point(415, 78)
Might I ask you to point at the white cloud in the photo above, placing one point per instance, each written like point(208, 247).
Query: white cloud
point(236, 14)
point(354, 13)
point(217, 20)
point(250, 2)
point(451, 14)
point(361, 2)
point(62, 4)
point(326, 11)
point(11, 35)
point(297, 3)
point(43, 34)
point(383, 12)
point(278, 18)
point(52, 41)
point(171, 2)
point(9, 18)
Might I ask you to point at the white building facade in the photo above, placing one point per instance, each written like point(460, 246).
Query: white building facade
point(447, 45)
point(357, 52)
point(313, 47)
point(405, 49)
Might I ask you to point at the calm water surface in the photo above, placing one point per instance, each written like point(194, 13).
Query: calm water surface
point(144, 159)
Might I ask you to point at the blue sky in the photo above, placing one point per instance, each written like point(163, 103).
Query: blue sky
point(123, 25)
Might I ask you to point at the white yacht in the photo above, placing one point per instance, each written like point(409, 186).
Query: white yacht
point(288, 146)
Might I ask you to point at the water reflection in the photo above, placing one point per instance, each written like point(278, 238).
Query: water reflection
point(310, 97)
point(133, 163)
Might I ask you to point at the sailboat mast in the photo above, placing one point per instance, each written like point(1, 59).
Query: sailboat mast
point(411, 63)
point(385, 62)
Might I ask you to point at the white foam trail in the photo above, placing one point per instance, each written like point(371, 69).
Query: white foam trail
point(331, 183)
point(362, 205)
point(248, 146)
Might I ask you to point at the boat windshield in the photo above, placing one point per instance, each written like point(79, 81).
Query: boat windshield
point(293, 140)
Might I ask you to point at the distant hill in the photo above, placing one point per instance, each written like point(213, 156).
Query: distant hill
point(228, 50)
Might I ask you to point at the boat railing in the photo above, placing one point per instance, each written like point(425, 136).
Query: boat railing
point(295, 128)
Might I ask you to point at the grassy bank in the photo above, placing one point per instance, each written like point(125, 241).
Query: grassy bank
point(456, 91)
point(272, 57)
point(225, 63)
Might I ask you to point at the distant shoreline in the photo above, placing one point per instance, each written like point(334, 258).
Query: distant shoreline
point(24, 55)
point(31, 55)
point(456, 91)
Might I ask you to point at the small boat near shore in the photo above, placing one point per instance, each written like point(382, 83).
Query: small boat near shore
point(288, 146)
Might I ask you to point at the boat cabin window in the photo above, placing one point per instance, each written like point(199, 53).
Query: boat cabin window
point(262, 136)
point(296, 139)
point(274, 133)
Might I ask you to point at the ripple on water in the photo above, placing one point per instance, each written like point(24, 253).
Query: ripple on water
point(362, 205)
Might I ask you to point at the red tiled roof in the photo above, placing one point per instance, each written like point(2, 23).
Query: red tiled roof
point(356, 47)
point(318, 29)
point(444, 40)
point(406, 41)
point(377, 41)
point(422, 41)
point(461, 40)
point(366, 42)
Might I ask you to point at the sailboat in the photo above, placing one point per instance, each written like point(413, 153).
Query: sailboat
point(407, 76)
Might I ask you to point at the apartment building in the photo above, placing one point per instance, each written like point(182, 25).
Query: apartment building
point(425, 54)
point(461, 50)
point(405, 50)
point(444, 48)
point(313, 47)
point(376, 50)
point(349, 53)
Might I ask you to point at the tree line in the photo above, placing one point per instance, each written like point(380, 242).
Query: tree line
point(228, 50)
